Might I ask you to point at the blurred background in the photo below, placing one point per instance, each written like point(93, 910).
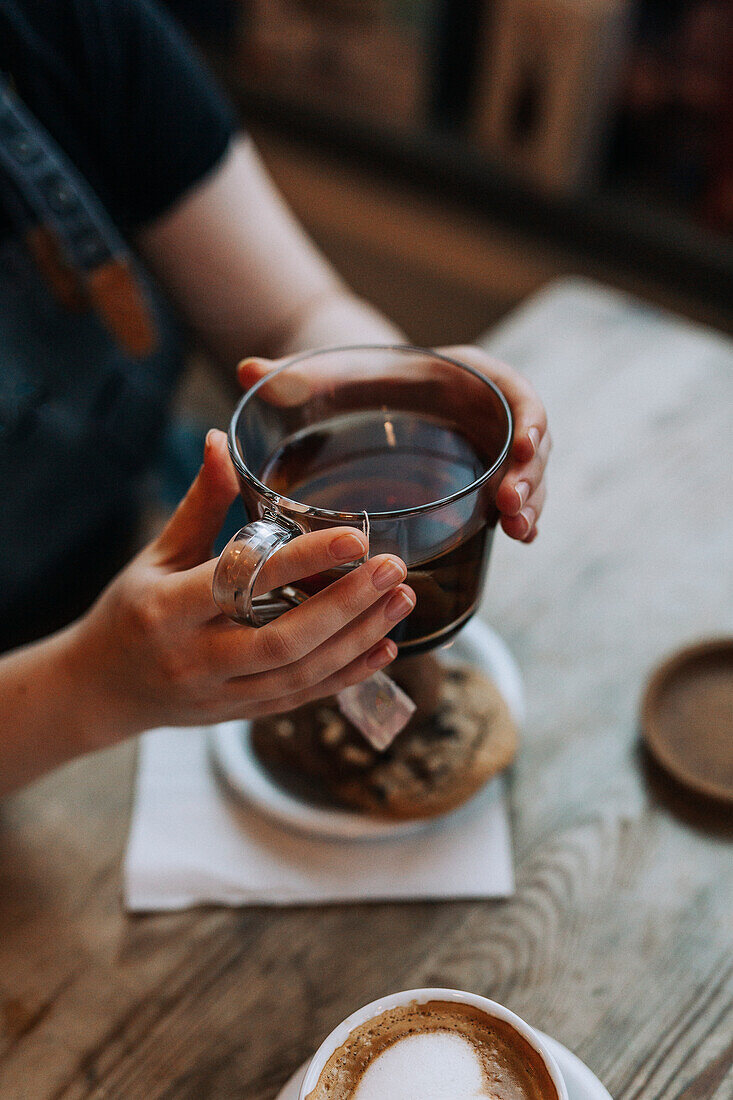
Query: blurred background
point(451, 156)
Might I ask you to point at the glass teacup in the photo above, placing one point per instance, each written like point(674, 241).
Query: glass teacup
point(407, 445)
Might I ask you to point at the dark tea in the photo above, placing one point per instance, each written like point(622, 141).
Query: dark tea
point(378, 461)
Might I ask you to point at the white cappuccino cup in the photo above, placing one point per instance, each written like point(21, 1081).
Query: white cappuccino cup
point(425, 1063)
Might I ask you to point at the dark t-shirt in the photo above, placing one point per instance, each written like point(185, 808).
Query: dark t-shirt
point(119, 87)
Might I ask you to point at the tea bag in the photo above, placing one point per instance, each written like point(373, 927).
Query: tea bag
point(378, 708)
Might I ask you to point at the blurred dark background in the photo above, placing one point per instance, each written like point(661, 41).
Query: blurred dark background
point(451, 156)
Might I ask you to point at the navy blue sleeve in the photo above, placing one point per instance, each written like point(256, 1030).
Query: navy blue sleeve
point(167, 124)
point(123, 91)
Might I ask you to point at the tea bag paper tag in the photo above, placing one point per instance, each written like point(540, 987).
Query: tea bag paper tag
point(378, 708)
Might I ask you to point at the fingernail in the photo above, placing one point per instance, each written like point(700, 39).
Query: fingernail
point(347, 547)
point(399, 605)
point(209, 437)
point(534, 437)
point(522, 491)
point(528, 520)
point(389, 573)
point(382, 655)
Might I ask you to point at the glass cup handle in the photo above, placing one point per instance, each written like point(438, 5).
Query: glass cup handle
point(240, 565)
point(377, 707)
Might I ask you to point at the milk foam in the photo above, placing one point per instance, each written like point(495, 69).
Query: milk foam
point(424, 1067)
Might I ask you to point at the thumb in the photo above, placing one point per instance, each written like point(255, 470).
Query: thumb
point(188, 537)
point(253, 368)
point(288, 389)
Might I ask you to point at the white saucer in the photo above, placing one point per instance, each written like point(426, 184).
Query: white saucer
point(582, 1083)
point(237, 766)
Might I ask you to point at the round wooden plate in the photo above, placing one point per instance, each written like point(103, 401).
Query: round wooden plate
point(687, 717)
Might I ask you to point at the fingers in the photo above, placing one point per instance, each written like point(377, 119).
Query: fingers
point(189, 535)
point(523, 525)
point(360, 637)
point(190, 590)
point(522, 480)
point(528, 412)
point(297, 633)
point(361, 669)
point(310, 554)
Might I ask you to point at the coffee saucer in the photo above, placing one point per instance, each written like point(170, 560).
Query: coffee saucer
point(582, 1083)
point(238, 768)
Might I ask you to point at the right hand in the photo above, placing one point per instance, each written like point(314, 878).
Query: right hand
point(155, 650)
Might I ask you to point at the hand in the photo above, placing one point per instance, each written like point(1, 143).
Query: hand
point(521, 495)
point(160, 653)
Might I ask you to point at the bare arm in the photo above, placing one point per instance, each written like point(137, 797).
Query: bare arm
point(42, 709)
point(245, 274)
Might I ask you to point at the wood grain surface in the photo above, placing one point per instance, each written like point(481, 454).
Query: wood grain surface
point(619, 940)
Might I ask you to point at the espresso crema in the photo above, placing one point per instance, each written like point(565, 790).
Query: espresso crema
point(439, 1050)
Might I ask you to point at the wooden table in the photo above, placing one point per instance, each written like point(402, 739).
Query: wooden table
point(619, 939)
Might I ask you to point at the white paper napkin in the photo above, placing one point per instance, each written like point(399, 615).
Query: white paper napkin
point(192, 844)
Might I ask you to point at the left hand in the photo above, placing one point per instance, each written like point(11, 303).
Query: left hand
point(521, 495)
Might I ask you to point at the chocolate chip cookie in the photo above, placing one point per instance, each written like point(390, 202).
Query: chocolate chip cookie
point(436, 763)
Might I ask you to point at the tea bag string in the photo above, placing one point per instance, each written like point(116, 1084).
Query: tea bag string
point(367, 532)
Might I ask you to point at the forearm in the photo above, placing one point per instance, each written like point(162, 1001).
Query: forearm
point(246, 276)
point(48, 717)
point(336, 317)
